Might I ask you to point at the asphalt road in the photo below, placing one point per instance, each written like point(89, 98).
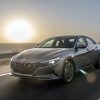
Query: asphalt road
point(83, 87)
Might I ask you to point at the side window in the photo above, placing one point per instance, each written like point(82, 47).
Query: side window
point(71, 40)
point(81, 42)
point(89, 41)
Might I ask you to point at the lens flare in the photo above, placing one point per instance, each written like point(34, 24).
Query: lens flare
point(19, 31)
point(90, 77)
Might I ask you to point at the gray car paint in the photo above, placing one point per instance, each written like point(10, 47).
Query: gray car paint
point(81, 57)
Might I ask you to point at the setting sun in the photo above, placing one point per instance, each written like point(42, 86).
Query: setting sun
point(19, 31)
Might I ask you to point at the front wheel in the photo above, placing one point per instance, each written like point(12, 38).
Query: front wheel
point(68, 72)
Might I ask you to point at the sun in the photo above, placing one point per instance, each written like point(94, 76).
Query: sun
point(19, 31)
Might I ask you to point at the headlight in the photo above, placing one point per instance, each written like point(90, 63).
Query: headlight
point(52, 61)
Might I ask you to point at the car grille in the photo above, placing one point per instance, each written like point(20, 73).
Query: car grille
point(24, 68)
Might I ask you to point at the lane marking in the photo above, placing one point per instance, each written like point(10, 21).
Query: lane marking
point(5, 74)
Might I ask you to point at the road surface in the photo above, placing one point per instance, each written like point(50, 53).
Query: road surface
point(83, 87)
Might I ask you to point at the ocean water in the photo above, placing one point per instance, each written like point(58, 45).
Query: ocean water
point(13, 47)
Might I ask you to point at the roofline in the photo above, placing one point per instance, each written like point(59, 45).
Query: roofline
point(68, 35)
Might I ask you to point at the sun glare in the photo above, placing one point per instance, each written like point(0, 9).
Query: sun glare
point(19, 31)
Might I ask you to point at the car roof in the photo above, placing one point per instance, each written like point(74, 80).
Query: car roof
point(69, 36)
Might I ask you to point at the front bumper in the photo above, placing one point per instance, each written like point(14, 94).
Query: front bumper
point(39, 77)
point(41, 73)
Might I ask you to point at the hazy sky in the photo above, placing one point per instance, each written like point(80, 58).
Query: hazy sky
point(53, 17)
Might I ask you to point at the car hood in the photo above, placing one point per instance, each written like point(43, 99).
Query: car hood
point(41, 54)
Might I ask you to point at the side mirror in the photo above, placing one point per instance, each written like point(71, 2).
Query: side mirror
point(81, 46)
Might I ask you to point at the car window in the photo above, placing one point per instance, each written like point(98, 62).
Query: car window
point(48, 43)
point(60, 42)
point(81, 41)
point(89, 41)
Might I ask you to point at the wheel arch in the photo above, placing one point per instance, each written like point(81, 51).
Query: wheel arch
point(70, 59)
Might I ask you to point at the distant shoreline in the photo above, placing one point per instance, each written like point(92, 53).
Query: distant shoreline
point(7, 50)
point(9, 47)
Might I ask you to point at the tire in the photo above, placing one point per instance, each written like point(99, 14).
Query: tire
point(68, 72)
point(98, 64)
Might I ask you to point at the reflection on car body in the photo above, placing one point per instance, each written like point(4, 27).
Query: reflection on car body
point(57, 57)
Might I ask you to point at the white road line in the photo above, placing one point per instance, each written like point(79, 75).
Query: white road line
point(5, 74)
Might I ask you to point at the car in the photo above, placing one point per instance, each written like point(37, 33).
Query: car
point(56, 58)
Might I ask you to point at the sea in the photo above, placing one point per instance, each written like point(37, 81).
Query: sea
point(15, 47)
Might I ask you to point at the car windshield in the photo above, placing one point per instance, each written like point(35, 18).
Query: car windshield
point(58, 42)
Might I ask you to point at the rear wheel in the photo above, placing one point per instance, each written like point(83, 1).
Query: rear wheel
point(98, 64)
point(68, 72)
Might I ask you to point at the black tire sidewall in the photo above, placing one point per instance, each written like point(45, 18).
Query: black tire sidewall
point(63, 74)
point(98, 64)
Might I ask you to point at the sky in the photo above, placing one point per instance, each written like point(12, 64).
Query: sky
point(53, 17)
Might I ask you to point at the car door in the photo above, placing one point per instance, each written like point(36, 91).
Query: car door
point(81, 55)
point(93, 54)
